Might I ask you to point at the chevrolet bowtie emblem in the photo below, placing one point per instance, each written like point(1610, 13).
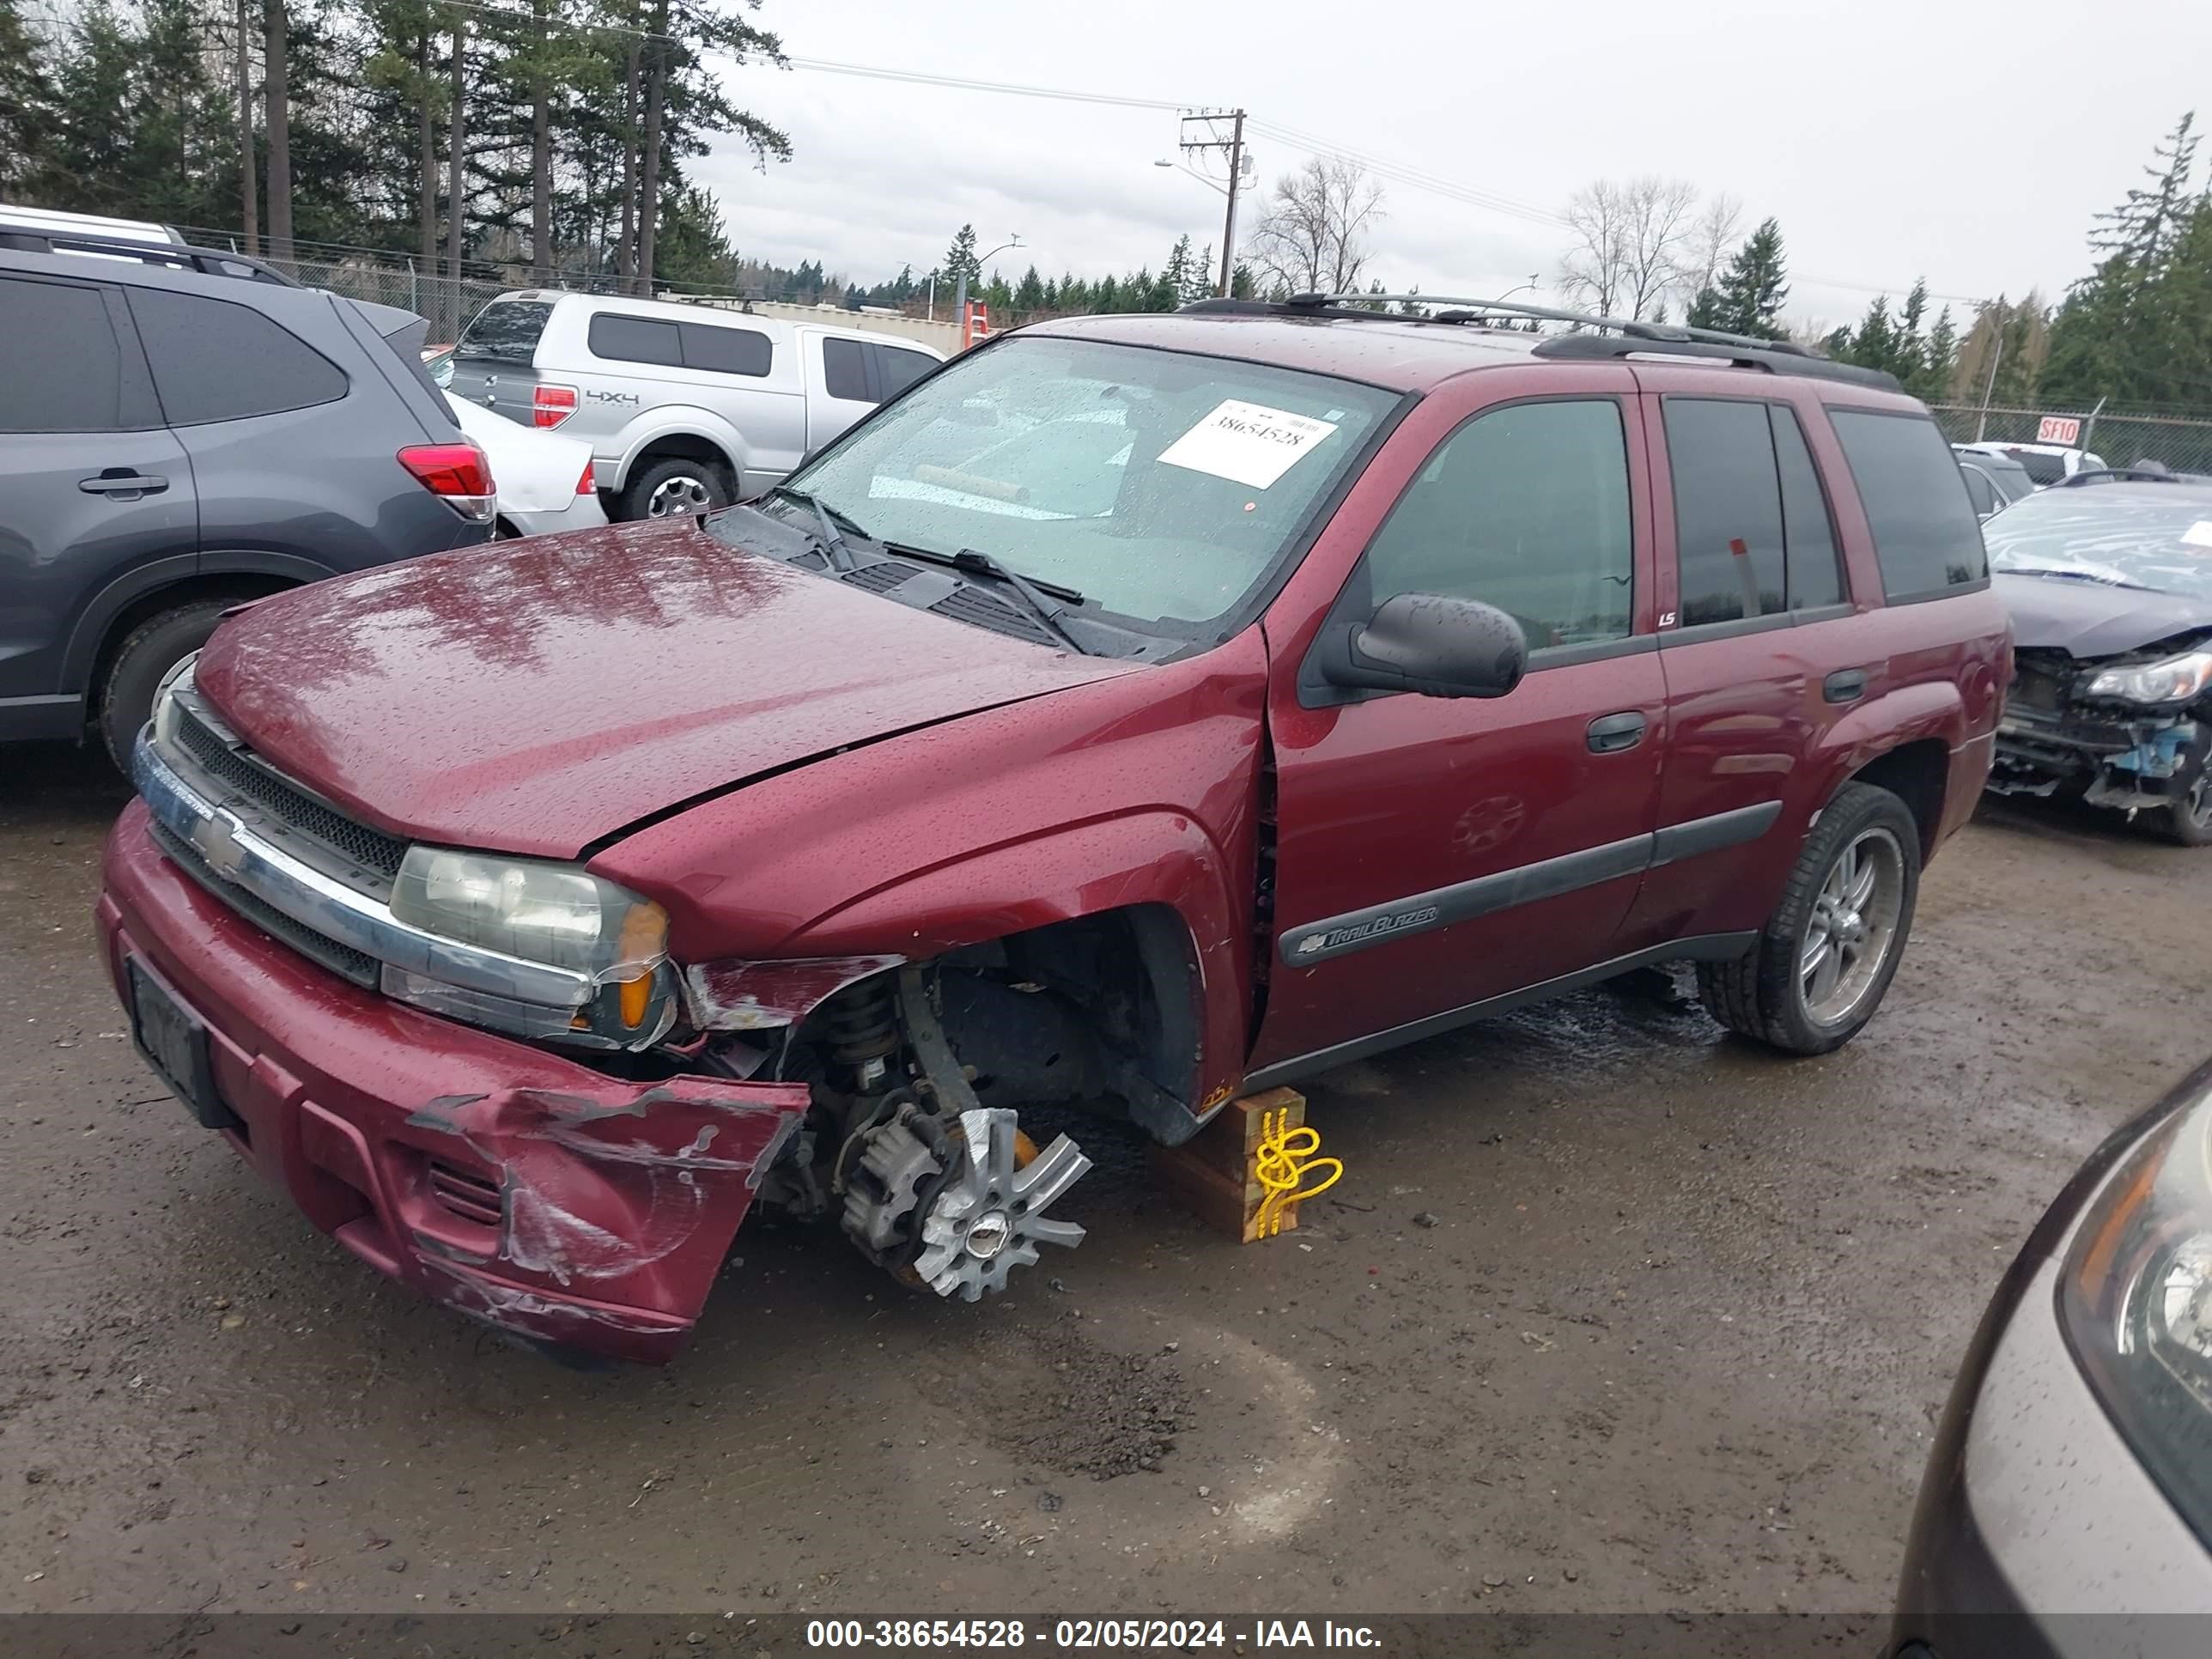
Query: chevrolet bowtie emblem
point(216, 838)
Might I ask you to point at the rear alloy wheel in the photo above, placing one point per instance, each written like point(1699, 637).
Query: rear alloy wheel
point(676, 490)
point(1830, 950)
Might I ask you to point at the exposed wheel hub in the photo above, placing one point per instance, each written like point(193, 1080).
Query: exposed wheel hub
point(966, 1227)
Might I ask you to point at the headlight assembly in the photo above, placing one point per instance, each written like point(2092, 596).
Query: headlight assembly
point(546, 912)
point(2175, 679)
point(2135, 1300)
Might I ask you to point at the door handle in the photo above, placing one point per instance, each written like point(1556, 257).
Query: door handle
point(1611, 733)
point(127, 486)
point(1844, 685)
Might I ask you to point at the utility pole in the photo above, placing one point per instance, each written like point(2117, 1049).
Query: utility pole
point(1990, 385)
point(1234, 144)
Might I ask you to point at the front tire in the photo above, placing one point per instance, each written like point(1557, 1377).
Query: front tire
point(1827, 954)
point(2188, 821)
point(677, 488)
point(125, 693)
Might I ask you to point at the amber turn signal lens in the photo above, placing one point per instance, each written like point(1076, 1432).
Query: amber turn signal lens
point(636, 995)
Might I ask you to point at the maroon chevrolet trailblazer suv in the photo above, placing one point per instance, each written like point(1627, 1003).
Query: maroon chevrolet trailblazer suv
point(1137, 712)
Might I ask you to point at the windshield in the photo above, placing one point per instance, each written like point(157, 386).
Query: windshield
point(1161, 487)
point(2154, 536)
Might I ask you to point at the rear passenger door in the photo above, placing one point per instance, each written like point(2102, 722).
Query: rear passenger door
point(96, 488)
point(1758, 649)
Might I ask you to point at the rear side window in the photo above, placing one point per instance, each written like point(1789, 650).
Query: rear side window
point(214, 360)
point(506, 332)
point(901, 369)
point(724, 350)
point(635, 340)
point(1925, 534)
point(845, 370)
point(1752, 533)
point(1728, 510)
point(680, 345)
point(65, 370)
point(1808, 535)
point(1525, 508)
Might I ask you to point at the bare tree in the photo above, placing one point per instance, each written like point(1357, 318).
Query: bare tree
point(1312, 235)
point(1632, 242)
point(1711, 240)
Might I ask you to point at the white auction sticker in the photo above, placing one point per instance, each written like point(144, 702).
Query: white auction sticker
point(1246, 443)
point(2198, 534)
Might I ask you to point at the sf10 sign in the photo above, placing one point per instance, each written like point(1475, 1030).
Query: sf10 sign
point(2058, 430)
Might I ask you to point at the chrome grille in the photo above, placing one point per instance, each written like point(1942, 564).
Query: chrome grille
point(344, 845)
point(340, 958)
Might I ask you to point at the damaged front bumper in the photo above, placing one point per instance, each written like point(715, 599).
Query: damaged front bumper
point(547, 1199)
point(2109, 757)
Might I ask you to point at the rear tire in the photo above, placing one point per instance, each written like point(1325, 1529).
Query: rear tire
point(1827, 954)
point(124, 696)
point(677, 488)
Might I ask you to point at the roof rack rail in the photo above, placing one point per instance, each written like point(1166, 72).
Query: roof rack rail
point(1629, 337)
point(1630, 326)
point(177, 256)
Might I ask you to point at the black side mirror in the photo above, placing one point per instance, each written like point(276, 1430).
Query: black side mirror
point(1432, 644)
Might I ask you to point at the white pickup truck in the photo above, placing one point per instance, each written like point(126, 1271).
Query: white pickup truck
point(687, 407)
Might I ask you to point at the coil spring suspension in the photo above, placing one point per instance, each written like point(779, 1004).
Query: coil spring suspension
point(859, 1027)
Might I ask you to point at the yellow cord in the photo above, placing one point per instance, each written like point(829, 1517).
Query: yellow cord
point(1282, 1160)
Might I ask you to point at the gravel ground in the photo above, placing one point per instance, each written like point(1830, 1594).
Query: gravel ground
point(1671, 1333)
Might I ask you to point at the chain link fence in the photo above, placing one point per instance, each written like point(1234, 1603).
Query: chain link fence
point(2178, 440)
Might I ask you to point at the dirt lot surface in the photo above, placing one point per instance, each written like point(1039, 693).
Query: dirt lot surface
point(1608, 1312)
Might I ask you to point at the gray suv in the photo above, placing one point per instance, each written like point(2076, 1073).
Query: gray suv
point(174, 443)
point(688, 406)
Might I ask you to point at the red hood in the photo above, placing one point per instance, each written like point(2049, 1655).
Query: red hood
point(537, 696)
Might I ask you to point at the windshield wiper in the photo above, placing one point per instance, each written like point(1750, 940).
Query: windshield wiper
point(2072, 576)
point(1031, 593)
point(835, 552)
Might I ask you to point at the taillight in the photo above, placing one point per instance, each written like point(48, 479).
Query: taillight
point(584, 485)
point(461, 474)
point(550, 405)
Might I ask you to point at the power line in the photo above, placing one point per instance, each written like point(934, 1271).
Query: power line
point(1011, 88)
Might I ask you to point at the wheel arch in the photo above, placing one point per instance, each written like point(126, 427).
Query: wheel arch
point(1903, 741)
point(682, 433)
point(164, 584)
point(1152, 880)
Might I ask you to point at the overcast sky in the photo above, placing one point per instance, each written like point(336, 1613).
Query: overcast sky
point(1891, 138)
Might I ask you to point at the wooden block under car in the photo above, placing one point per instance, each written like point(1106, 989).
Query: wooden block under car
point(1213, 1172)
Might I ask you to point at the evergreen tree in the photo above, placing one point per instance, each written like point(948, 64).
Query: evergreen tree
point(1750, 295)
point(28, 114)
point(1938, 357)
point(1029, 293)
point(960, 261)
point(1243, 283)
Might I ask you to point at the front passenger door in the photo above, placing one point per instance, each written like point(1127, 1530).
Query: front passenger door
point(1433, 853)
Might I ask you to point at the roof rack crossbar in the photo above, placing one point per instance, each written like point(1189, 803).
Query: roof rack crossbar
point(1635, 327)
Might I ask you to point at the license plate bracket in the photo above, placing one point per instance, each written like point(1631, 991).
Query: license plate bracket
point(174, 1043)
